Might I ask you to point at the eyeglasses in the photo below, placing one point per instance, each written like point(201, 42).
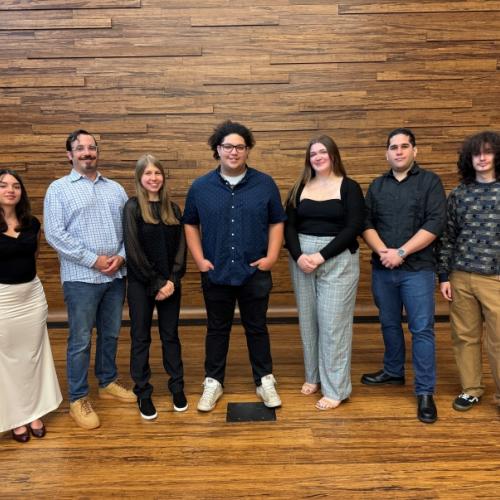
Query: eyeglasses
point(227, 148)
point(81, 148)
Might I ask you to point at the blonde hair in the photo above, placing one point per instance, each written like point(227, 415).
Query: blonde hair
point(167, 214)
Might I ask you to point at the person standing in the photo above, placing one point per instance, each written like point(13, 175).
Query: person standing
point(83, 223)
point(29, 388)
point(406, 209)
point(233, 221)
point(469, 265)
point(325, 213)
point(156, 261)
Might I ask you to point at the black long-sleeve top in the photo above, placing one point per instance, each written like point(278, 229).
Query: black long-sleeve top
point(155, 253)
point(342, 219)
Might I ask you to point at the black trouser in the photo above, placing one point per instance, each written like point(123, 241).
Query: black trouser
point(253, 300)
point(141, 307)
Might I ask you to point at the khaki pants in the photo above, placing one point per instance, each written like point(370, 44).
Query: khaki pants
point(475, 298)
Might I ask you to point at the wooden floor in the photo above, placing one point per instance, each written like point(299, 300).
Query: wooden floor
point(370, 447)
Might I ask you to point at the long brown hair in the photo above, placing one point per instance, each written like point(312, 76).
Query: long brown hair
point(308, 173)
point(23, 207)
point(166, 211)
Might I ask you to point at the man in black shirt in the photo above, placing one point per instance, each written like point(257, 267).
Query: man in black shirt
point(405, 214)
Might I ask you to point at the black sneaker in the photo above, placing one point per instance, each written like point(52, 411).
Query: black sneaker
point(465, 402)
point(147, 408)
point(180, 401)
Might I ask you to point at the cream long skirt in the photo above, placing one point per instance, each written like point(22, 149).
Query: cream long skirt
point(29, 388)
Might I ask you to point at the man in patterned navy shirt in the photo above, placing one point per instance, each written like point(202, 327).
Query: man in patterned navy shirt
point(83, 223)
point(234, 230)
point(469, 265)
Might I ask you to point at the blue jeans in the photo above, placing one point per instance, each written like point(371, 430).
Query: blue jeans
point(90, 305)
point(393, 289)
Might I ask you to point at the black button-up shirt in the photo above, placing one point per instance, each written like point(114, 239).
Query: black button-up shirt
point(398, 209)
point(234, 221)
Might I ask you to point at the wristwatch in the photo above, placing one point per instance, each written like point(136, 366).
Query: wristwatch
point(401, 252)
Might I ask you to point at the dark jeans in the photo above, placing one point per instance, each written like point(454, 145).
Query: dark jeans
point(393, 289)
point(141, 307)
point(253, 300)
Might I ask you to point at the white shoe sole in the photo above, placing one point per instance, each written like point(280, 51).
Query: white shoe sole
point(149, 417)
point(184, 408)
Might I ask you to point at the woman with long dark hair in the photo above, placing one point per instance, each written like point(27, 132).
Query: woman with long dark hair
point(156, 261)
point(325, 210)
point(29, 388)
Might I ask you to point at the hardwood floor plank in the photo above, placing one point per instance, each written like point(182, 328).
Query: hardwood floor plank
point(370, 447)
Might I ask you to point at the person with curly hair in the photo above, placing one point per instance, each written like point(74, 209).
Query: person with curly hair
point(469, 265)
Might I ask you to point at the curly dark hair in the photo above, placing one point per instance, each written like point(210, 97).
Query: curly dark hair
point(473, 146)
point(23, 208)
point(226, 128)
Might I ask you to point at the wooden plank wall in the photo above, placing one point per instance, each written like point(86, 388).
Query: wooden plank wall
point(157, 75)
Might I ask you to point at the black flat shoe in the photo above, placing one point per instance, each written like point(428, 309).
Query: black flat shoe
point(38, 433)
point(381, 378)
point(21, 438)
point(426, 409)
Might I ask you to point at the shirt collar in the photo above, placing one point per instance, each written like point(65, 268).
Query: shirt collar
point(413, 171)
point(248, 172)
point(76, 176)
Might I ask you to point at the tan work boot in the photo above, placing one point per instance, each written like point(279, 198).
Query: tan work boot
point(83, 414)
point(116, 390)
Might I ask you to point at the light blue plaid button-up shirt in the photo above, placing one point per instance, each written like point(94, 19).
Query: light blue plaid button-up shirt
point(82, 220)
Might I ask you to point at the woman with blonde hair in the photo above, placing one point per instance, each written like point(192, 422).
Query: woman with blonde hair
point(156, 261)
point(28, 382)
point(325, 210)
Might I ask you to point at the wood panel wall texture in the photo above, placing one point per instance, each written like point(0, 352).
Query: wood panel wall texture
point(157, 75)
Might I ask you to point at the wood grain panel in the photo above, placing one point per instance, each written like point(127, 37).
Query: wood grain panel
point(61, 24)
point(156, 75)
point(67, 4)
point(391, 7)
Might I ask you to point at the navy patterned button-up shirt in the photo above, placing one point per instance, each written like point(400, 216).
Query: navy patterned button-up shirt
point(234, 221)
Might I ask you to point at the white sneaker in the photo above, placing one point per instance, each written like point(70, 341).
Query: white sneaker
point(267, 392)
point(211, 393)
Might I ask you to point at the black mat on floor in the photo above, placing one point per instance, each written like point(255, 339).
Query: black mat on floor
point(249, 412)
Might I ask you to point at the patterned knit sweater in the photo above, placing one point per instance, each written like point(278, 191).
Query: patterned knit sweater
point(471, 241)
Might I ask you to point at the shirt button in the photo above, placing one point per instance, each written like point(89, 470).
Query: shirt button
point(232, 206)
point(232, 220)
point(232, 234)
point(232, 261)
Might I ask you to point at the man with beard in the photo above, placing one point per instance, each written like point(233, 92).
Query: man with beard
point(83, 223)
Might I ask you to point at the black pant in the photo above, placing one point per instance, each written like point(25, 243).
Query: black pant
point(141, 308)
point(253, 300)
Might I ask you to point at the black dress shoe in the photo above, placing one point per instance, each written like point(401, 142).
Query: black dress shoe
point(21, 438)
point(381, 378)
point(426, 409)
point(38, 433)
